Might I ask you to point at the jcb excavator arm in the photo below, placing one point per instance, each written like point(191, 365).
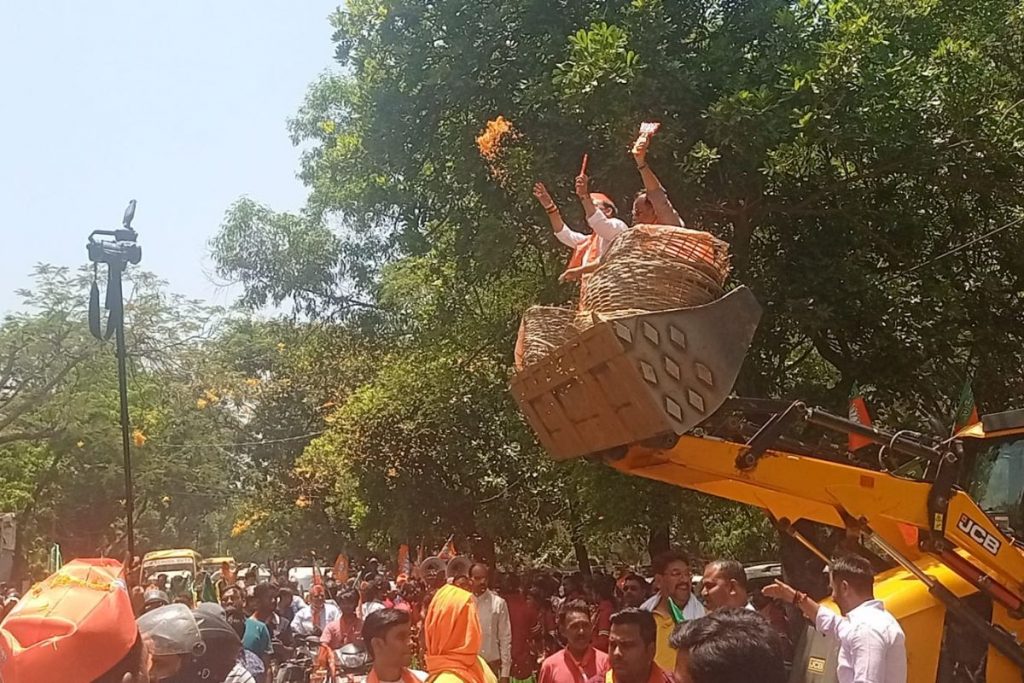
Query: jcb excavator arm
point(638, 391)
point(794, 487)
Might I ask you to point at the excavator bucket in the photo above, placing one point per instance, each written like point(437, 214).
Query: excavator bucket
point(637, 378)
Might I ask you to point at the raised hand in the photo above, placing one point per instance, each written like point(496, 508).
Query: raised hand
point(640, 150)
point(582, 186)
point(779, 591)
point(543, 196)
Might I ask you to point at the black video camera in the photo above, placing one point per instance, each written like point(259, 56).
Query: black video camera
point(120, 251)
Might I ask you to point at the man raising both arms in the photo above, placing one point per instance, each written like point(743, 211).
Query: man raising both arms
point(871, 642)
point(651, 205)
point(601, 216)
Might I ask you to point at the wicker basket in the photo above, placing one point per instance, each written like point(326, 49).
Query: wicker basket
point(657, 268)
point(542, 329)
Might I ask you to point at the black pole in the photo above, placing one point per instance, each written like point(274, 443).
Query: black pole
point(117, 254)
point(122, 386)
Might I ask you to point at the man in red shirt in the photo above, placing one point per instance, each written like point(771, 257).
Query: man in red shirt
point(580, 661)
point(523, 617)
point(348, 627)
point(631, 648)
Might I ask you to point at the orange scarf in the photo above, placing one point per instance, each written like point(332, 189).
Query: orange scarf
point(586, 252)
point(407, 676)
point(452, 631)
point(656, 675)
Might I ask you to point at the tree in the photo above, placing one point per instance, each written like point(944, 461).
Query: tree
point(61, 466)
point(842, 149)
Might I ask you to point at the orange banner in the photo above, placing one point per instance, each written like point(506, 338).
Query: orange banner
point(859, 414)
point(340, 570)
point(403, 559)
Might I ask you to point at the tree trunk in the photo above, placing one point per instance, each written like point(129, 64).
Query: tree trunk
point(19, 566)
point(582, 557)
point(579, 545)
point(658, 539)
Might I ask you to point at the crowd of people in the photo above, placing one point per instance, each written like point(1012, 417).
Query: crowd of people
point(84, 623)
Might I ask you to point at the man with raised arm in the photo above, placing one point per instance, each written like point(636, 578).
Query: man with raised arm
point(651, 205)
point(587, 248)
point(871, 641)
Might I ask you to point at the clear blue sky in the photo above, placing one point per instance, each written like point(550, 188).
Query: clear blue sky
point(180, 105)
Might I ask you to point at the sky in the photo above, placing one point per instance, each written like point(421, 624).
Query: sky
point(180, 105)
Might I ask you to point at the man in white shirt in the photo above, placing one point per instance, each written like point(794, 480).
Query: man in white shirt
point(495, 624)
point(725, 585)
point(313, 619)
point(871, 642)
point(601, 217)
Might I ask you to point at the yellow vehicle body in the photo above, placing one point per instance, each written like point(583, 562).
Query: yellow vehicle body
point(175, 561)
point(795, 487)
point(641, 392)
point(919, 613)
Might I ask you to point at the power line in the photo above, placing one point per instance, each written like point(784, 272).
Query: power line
point(954, 250)
point(241, 443)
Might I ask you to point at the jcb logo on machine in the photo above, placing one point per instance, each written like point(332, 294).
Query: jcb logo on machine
point(979, 535)
point(816, 665)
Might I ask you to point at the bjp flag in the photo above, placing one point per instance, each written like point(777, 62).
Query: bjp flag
point(340, 570)
point(448, 551)
point(859, 414)
point(404, 566)
point(966, 408)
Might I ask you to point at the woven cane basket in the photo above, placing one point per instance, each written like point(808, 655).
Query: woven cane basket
point(656, 268)
point(543, 329)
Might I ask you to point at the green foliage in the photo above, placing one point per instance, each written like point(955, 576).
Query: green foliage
point(60, 455)
point(837, 146)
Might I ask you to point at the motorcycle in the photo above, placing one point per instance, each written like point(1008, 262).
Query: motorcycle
point(299, 667)
point(352, 663)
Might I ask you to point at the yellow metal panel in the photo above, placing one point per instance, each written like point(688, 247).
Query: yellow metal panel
point(1000, 669)
point(170, 554)
point(971, 529)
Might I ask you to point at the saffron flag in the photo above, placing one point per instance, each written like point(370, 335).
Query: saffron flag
point(966, 408)
point(448, 551)
point(318, 577)
point(859, 414)
point(404, 566)
point(340, 570)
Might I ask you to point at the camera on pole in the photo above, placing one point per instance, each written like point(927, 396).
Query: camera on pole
point(116, 254)
point(120, 251)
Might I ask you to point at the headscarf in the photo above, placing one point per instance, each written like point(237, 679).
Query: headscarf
point(453, 636)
